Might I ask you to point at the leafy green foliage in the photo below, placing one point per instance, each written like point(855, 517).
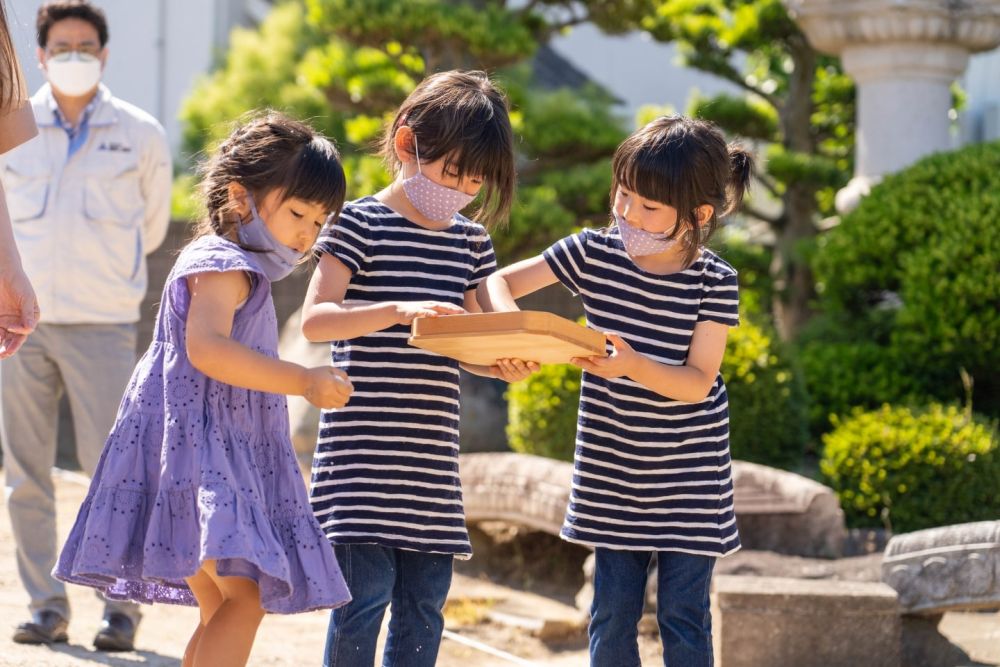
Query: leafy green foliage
point(767, 405)
point(347, 65)
point(914, 271)
point(184, 205)
point(566, 139)
point(541, 412)
point(564, 127)
point(537, 220)
point(261, 69)
point(755, 117)
point(752, 262)
point(794, 99)
point(487, 33)
point(845, 367)
point(909, 469)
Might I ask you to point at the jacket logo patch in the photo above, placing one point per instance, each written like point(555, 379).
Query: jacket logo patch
point(114, 147)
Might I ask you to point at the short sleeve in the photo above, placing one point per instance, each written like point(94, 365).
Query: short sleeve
point(485, 262)
point(567, 259)
point(720, 298)
point(347, 239)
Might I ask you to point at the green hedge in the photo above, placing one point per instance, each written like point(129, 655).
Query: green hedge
point(541, 412)
point(915, 272)
point(844, 366)
point(753, 262)
point(767, 405)
point(909, 469)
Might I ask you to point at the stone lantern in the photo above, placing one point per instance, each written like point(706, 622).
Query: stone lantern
point(903, 55)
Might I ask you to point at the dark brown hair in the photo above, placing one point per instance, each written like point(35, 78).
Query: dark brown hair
point(684, 163)
point(57, 10)
point(11, 79)
point(270, 151)
point(462, 117)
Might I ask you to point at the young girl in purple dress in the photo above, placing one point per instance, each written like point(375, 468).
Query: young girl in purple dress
point(198, 498)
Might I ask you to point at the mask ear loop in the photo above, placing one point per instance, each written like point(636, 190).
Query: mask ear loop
point(253, 207)
point(416, 149)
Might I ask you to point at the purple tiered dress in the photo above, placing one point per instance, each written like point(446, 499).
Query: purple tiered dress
point(197, 469)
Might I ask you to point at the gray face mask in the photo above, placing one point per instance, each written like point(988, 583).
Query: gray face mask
point(277, 259)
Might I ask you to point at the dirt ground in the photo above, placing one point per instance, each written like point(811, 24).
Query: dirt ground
point(283, 641)
point(494, 605)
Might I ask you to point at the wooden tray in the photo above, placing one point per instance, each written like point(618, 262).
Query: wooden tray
point(482, 338)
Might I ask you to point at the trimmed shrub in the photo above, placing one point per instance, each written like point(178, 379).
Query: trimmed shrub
point(753, 262)
point(908, 469)
point(766, 402)
point(921, 255)
point(845, 367)
point(541, 412)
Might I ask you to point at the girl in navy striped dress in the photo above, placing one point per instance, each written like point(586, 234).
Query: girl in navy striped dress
point(385, 485)
point(652, 472)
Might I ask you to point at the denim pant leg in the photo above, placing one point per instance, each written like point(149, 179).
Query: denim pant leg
point(417, 619)
point(683, 609)
point(370, 573)
point(619, 593)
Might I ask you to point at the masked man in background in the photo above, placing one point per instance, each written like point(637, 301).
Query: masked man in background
point(89, 198)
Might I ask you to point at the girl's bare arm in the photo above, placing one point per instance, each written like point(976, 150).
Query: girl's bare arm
point(326, 317)
point(211, 350)
point(500, 291)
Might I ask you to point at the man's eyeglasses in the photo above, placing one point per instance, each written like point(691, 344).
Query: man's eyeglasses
point(65, 49)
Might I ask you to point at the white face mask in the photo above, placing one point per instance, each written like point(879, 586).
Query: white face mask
point(73, 73)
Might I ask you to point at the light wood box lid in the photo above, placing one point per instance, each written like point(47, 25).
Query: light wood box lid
point(482, 338)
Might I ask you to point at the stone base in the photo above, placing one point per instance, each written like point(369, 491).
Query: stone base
point(923, 645)
point(771, 621)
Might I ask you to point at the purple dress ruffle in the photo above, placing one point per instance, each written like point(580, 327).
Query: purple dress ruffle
point(196, 469)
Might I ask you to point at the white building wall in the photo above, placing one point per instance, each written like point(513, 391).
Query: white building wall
point(981, 119)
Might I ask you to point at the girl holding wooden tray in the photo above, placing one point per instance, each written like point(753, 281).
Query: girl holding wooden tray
point(652, 470)
point(385, 484)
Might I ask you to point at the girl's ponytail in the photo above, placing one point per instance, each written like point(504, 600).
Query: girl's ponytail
point(741, 173)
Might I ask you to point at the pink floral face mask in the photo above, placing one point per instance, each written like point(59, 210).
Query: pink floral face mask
point(639, 242)
point(434, 201)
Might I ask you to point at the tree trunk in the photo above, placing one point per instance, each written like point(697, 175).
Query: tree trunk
point(793, 282)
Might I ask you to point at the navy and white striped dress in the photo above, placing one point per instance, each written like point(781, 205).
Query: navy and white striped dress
point(385, 469)
point(650, 473)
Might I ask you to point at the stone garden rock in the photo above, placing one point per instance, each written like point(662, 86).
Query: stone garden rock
point(937, 570)
point(526, 490)
point(780, 511)
point(943, 569)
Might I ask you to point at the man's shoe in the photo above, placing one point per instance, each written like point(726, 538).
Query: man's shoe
point(45, 627)
point(117, 633)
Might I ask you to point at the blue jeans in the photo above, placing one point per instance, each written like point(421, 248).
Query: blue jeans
point(682, 607)
point(415, 583)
